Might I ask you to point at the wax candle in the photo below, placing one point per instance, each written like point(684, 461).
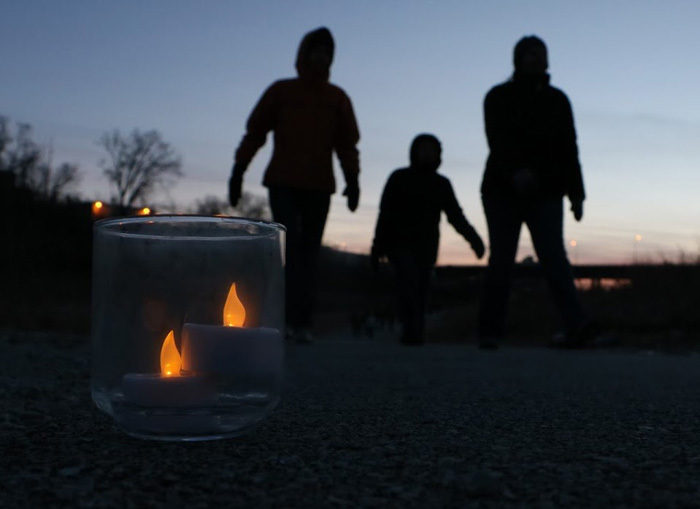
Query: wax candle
point(170, 387)
point(156, 390)
point(231, 349)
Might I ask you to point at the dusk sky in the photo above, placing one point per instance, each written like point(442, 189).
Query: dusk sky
point(193, 71)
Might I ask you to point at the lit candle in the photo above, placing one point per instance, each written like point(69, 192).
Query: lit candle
point(231, 349)
point(170, 387)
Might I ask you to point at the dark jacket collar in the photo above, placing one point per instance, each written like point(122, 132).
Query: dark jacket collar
point(530, 81)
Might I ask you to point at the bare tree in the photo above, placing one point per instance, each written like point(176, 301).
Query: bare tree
point(60, 182)
point(250, 206)
point(212, 205)
point(5, 138)
point(19, 153)
point(138, 163)
point(32, 167)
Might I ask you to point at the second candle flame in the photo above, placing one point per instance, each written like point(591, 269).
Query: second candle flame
point(170, 360)
point(234, 312)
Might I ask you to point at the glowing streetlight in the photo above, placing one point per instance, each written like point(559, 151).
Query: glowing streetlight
point(637, 240)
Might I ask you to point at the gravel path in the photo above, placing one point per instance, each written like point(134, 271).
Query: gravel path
point(372, 424)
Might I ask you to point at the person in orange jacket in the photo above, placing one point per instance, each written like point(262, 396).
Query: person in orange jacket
point(310, 118)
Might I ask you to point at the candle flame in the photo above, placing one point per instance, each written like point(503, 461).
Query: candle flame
point(170, 360)
point(234, 312)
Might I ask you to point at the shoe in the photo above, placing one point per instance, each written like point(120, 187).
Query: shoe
point(410, 340)
point(290, 334)
point(489, 337)
point(303, 336)
point(488, 344)
point(583, 336)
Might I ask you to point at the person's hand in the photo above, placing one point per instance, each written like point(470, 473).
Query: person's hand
point(352, 191)
point(374, 257)
point(577, 207)
point(235, 187)
point(235, 183)
point(478, 247)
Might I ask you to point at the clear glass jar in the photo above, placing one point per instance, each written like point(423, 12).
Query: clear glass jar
point(187, 324)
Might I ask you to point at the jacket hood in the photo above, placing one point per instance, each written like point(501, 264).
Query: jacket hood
point(315, 54)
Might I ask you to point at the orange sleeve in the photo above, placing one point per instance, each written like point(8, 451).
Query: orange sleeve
point(261, 121)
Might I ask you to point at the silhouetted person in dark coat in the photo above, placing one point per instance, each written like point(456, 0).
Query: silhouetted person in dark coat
point(408, 233)
point(533, 163)
point(310, 119)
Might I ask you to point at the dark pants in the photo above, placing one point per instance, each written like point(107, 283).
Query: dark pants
point(304, 215)
point(545, 220)
point(413, 279)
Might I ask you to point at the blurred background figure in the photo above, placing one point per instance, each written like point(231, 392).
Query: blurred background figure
point(407, 230)
point(533, 163)
point(310, 119)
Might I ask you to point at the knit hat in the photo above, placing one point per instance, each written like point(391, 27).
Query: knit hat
point(523, 46)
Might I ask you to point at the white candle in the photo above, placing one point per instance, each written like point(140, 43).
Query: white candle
point(157, 390)
point(231, 350)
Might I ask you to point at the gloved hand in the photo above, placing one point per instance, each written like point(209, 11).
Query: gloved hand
point(577, 207)
point(352, 191)
point(374, 257)
point(477, 246)
point(235, 184)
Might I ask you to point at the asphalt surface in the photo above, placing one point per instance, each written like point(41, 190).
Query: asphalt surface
point(372, 424)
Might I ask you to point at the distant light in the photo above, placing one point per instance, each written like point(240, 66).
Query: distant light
point(573, 243)
point(637, 238)
point(144, 211)
point(97, 207)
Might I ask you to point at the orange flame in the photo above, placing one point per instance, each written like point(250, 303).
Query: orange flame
point(234, 312)
point(170, 360)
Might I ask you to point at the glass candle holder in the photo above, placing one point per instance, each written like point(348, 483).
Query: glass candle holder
point(187, 324)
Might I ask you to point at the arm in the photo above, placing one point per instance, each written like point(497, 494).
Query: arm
point(381, 242)
point(262, 120)
point(346, 139)
point(569, 152)
point(456, 218)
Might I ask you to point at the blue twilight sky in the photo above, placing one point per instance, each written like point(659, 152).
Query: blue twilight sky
point(193, 70)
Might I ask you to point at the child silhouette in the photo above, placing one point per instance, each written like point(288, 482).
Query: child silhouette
point(408, 233)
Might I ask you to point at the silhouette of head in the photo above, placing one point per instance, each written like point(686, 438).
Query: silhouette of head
point(315, 54)
point(426, 152)
point(530, 56)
